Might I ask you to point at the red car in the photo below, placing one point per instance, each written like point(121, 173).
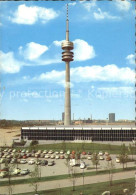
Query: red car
point(73, 152)
point(83, 153)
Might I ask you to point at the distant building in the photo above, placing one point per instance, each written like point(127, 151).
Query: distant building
point(111, 117)
point(63, 115)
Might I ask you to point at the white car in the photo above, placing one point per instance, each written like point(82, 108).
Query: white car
point(101, 157)
point(3, 174)
point(45, 152)
point(101, 153)
point(16, 171)
point(62, 152)
point(82, 165)
point(23, 161)
point(50, 152)
point(56, 152)
point(57, 156)
point(24, 172)
point(31, 161)
point(47, 156)
point(72, 162)
point(117, 160)
point(89, 157)
point(52, 156)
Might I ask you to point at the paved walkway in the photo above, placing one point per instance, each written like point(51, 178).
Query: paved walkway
point(24, 188)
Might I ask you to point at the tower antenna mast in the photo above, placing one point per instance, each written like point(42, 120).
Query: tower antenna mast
point(67, 57)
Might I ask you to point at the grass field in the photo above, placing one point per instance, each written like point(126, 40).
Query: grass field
point(93, 189)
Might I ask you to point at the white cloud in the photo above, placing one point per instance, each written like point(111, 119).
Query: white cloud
point(123, 5)
point(108, 73)
point(88, 5)
point(72, 4)
point(33, 50)
point(82, 50)
point(30, 15)
point(100, 15)
point(57, 43)
point(131, 59)
point(8, 64)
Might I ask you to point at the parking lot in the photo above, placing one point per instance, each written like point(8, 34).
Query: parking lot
point(60, 166)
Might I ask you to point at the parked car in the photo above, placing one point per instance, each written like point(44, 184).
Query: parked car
point(68, 152)
point(72, 162)
point(14, 151)
point(16, 171)
point(73, 152)
point(3, 174)
point(44, 162)
point(83, 153)
point(42, 155)
point(106, 153)
point(51, 163)
point(31, 161)
point(37, 155)
point(39, 152)
point(50, 152)
point(28, 155)
point(62, 152)
point(52, 156)
point(23, 151)
point(27, 151)
point(101, 157)
point(100, 153)
point(45, 152)
point(25, 172)
point(2, 160)
point(61, 156)
point(89, 153)
point(108, 158)
point(82, 165)
point(13, 160)
point(57, 156)
point(56, 152)
point(47, 156)
point(117, 160)
point(38, 162)
point(89, 157)
point(23, 161)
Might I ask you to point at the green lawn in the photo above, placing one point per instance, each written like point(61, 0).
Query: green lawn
point(93, 189)
point(92, 147)
point(59, 177)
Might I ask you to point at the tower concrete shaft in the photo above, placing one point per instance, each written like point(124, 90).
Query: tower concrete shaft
point(67, 56)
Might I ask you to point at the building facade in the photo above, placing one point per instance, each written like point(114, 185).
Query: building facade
point(76, 133)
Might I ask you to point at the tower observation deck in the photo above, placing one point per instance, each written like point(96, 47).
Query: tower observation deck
point(67, 57)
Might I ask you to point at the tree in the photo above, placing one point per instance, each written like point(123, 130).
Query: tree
point(73, 177)
point(67, 163)
point(110, 167)
point(95, 160)
point(131, 150)
point(9, 169)
point(123, 155)
point(35, 175)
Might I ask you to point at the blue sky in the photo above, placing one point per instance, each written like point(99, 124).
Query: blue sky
point(32, 73)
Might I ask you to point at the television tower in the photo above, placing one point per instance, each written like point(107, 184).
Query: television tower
point(67, 57)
